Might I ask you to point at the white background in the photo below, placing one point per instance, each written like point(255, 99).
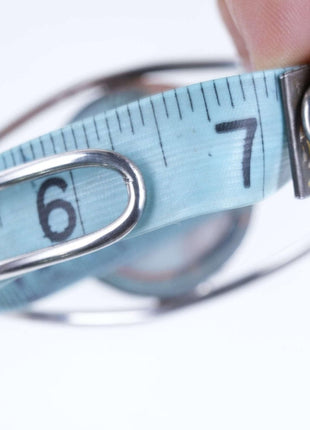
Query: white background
point(240, 361)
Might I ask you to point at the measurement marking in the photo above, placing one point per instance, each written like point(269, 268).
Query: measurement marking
point(74, 137)
point(216, 94)
point(73, 184)
point(22, 154)
point(141, 113)
point(13, 157)
point(250, 126)
point(4, 161)
point(242, 89)
point(96, 128)
point(205, 102)
point(63, 139)
point(230, 95)
point(158, 132)
point(178, 104)
point(32, 151)
point(77, 201)
point(118, 121)
point(165, 104)
point(42, 146)
point(261, 131)
point(276, 85)
point(190, 99)
point(109, 132)
point(265, 82)
point(25, 159)
point(130, 120)
point(85, 135)
point(53, 143)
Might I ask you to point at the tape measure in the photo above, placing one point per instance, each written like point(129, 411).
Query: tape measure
point(201, 149)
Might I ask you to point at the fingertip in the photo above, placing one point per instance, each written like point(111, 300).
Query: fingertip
point(234, 32)
point(274, 33)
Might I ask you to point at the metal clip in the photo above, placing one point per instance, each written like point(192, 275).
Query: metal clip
point(91, 242)
point(295, 84)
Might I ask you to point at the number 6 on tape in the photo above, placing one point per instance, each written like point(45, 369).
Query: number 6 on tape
point(91, 242)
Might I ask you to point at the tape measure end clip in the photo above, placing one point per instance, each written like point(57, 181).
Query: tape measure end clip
point(295, 85)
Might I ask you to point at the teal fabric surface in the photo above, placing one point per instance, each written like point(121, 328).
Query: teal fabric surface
point(201, 149)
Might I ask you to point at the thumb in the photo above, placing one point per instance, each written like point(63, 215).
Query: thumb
point(269, 33)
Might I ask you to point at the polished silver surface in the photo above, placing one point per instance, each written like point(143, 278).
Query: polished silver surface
point(305, 113)
point(295, 95)
point(91, 242)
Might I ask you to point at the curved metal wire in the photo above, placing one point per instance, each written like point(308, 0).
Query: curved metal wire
point(108, 84)
point(116, 317)
point(88, 243)
point(133, 316)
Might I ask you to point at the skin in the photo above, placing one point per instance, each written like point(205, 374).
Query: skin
point(269, 33)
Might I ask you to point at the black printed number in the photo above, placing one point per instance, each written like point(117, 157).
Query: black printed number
point(45, 210)
point(250, 126)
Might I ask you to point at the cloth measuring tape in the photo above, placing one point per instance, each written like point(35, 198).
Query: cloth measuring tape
point(196, 150)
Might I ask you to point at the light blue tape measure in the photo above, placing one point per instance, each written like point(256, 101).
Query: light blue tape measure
point(201, 149)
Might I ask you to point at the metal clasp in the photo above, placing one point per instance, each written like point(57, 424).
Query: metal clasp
point(91, 242)
point(295, 84)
